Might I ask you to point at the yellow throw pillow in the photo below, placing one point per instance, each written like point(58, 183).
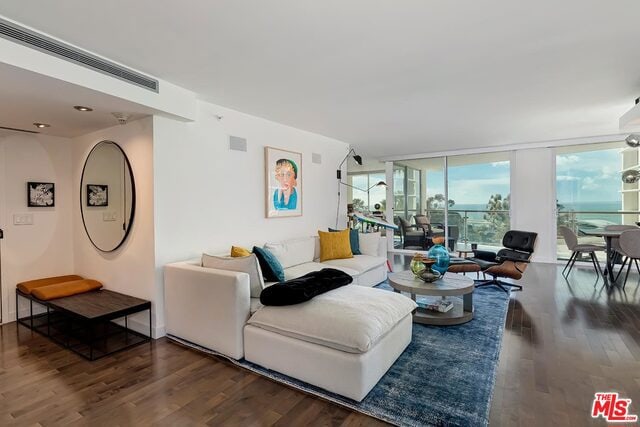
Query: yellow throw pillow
point(334, 245)
point(238, 252)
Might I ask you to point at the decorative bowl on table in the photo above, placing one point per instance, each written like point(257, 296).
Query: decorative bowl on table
point(421, 267)
point(429, 275)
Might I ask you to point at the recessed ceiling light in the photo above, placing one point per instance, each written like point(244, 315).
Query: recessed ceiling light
point(82, 108)
point(41, 125)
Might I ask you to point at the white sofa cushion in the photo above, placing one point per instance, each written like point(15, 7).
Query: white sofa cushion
point(302, 269)
point(360, 263)
point(248, 264)
point(293, 252)
point(369, 243)
point(351, 318)
point(255, 305)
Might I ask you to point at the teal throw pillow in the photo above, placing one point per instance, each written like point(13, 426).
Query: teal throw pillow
point(272, 270)
point(354, 240)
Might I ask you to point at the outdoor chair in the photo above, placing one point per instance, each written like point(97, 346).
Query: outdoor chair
point(436, 230)
point(412, 236)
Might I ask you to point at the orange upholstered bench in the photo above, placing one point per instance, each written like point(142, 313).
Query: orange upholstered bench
point(42, 290)
point(28, 286)
point(65, 289)
point(57, 287)
point(81, 316)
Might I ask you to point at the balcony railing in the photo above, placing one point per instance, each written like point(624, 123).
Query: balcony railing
point(485, 227)
point(582, 222)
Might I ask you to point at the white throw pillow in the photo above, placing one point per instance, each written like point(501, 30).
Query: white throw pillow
point(248, 264)
point(293, 252)
point(369, 243)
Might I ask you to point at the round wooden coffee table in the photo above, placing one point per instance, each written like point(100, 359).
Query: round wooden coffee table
point(449, 285)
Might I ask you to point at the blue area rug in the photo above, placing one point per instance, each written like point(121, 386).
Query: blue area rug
point(445, 377)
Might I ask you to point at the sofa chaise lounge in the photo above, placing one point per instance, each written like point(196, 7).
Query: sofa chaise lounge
point(342, 341)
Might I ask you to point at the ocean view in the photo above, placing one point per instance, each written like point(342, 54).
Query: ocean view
point(608, 206)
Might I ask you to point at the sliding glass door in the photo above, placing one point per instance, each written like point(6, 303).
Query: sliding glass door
point(479, 195)
point(407, 185)
point(418, 188)
point(469, 195)
point(590, 192)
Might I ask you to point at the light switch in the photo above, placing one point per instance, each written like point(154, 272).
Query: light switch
point(23, 219)
point(109, 216)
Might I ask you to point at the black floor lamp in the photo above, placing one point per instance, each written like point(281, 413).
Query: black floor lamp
point(358, 160)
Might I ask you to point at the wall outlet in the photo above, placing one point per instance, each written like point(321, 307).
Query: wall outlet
point(23, 219)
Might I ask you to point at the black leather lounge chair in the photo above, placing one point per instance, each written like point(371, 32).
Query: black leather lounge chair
point(508, 262)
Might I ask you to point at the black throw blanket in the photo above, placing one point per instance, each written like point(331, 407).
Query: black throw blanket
point(304, 287)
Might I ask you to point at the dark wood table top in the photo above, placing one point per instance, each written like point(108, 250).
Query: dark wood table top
point(100, 304)
point(604, 233)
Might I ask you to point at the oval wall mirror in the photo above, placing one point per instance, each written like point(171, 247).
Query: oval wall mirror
point(107, 196)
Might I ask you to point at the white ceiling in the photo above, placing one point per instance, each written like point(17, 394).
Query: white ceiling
point(28, 97)
point(390, 77)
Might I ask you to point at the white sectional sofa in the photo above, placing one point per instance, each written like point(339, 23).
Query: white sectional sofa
point(212, 308)
point(301, 256)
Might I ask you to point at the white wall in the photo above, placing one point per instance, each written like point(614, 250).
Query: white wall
point(533, 198)
point(129, 269)
point(46, 247)
point(208, 198)
point(171, 100)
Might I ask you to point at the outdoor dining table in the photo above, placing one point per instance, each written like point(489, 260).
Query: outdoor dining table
point(608, 236)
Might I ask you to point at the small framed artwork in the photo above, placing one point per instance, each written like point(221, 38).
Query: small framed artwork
point(283, 183)
point(97, 195)
point(41, 194)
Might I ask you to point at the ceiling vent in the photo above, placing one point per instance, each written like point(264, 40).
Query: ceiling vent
point(18, 34)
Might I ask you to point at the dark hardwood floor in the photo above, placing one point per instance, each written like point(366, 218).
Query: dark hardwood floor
point(562, 343)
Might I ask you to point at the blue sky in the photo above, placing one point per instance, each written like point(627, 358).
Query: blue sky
point(590, 176)
point(472, 184)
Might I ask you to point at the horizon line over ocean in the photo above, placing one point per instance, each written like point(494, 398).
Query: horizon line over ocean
point(612, 206)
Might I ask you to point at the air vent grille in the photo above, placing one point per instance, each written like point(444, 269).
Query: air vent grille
point(13, 32)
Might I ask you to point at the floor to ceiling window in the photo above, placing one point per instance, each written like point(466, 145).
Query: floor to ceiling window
point(407, 184)
point(479, 193)
point(590, 192)
point(364, 194)
point(473, 200)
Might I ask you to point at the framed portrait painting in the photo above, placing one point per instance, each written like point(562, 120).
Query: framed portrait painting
point(283, 183)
